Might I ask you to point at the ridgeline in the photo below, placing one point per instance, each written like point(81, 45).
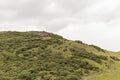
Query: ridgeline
point(46, 56)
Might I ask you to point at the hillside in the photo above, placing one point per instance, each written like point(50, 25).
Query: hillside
point(46, 56)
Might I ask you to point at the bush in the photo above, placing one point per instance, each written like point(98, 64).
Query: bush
point(114, 58)
point(72, 77)
point(98, 48)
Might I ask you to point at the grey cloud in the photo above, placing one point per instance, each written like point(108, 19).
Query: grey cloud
point(24, 9)
point(63, 17)
point(104, 10)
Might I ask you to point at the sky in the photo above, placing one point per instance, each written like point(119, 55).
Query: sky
point(91, 21)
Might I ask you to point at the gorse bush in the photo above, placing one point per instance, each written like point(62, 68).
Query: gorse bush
point(84, 54)
point(114, 58)
point(98, 48)
point(43, 56)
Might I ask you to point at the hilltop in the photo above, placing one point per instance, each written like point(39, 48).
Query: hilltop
point(41, 55)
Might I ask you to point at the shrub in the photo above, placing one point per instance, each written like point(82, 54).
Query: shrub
point(98, 48)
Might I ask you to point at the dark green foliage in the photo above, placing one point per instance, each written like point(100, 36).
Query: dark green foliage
point(79, 41)
point(98, 48)
point(42, 56)
point(114, 58)
point(84, 54)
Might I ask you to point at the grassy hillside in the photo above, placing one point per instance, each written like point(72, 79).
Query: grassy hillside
point(113, 73)
point(46, 56)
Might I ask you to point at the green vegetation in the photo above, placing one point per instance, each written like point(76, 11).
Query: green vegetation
point(112, 74)
point(46, 56)
point(97, 48)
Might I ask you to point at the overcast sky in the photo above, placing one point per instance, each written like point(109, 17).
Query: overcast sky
point(91, 21)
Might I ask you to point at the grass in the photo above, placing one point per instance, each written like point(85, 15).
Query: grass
point(111, 74)
point(46, 56)
point(108, 76)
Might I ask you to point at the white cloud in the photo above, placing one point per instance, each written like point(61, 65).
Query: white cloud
point(103, 10)
point(93, 33)
point(103, 7)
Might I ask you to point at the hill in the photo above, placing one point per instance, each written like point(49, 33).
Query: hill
point(45, 56)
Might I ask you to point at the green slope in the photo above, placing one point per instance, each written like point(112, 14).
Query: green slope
point(46, 56)
point(113, 73)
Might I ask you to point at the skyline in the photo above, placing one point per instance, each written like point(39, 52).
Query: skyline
point(91, 21)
